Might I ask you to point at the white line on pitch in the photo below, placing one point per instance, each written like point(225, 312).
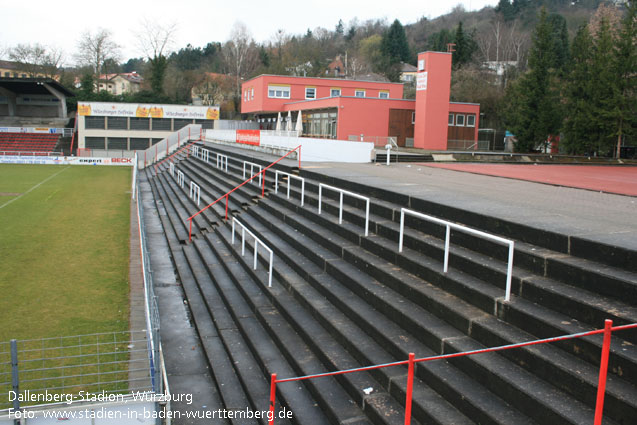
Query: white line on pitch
point(34, 187)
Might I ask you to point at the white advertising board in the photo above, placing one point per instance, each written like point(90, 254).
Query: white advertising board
point(64, 160)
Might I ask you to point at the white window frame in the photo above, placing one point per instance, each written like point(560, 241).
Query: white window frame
point(473, 117)
point(383, 95)
point(458, 123)
point(332, 91)
point(307, 96)
point(283, 90)
point(413, 117)
point(451, 120)
point(356, 93)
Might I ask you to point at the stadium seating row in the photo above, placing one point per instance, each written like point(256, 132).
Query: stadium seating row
point(28, 142)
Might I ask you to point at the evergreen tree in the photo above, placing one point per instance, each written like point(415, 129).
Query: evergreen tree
point(534, 111)
point(340, 28)
point(394, 50)
point(157, 67)
point(87, 86)
point(438, 41)
point(578, 127)
point(507, 10)
point(625, 66)
point(604, 90)
point(465, 47)
point(394, 45)
point(560, 41)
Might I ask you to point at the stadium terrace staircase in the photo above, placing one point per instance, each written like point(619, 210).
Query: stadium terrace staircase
point(31, 143)
point(340, 300)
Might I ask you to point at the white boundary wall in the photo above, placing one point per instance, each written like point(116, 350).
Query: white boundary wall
point(313, 150)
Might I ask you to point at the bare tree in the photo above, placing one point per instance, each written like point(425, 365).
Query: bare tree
point(240, 54)
point(95, 49)
point(155, 41)
point(37, 60)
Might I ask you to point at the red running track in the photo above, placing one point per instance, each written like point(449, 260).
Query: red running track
point(621, 180)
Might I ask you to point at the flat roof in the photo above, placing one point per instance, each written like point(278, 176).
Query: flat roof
point(32, 86)
point(322, 78)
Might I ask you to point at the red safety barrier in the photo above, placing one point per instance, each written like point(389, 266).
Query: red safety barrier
point(176, 152)
point(601, 388)
point(227, 195)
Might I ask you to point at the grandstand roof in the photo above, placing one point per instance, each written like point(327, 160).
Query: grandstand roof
point(32, 85)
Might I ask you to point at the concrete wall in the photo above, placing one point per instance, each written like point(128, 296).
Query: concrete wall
point(313, 150)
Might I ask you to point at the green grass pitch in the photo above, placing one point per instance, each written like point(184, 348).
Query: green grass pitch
point(64, 250)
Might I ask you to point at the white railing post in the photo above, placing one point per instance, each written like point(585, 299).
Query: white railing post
point(340, 210)
point(257, 241)
point(172, 169)
point(447, 237)
point(180, 178)
point(195, 190)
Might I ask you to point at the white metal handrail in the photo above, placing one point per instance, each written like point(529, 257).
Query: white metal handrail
point(256, 244)
point(290, 176)
point(180, 178)
point(195, 151)
point(252, 166)
point(340, 208)
point(449, 225)
point(205, 155)
point(223, 159)
point(172, 169)
point(195, 190)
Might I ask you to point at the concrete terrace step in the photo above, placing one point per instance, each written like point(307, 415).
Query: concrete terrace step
point(543, 275)
point(242, 294)
point(411, 319)
point(625, 357)
point(343, 323)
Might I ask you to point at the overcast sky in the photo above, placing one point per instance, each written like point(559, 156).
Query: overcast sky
point(198, 22)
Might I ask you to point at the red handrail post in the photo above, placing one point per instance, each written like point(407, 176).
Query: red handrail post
point(410, 386)
point(272, 399)
point(300, 156)
point(155, 153)
point(190, 231)
point(603, 370)
point(227, 200)
point(263, 185)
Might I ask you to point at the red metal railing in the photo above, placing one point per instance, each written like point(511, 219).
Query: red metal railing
point(601, 387)
point(186, 146)
point(227, 195)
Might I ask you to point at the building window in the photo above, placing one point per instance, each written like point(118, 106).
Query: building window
point(335, 92)
point(413, 117)
point(450, 119)
point(383, 95)
point(279, 92)
point(310, 92)
point(359, 93)
point(460, 120)
point(471, 120)
point(252, 93)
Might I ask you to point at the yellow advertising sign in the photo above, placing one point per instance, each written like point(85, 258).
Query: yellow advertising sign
point(144, 111)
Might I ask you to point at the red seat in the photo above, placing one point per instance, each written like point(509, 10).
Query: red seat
point(41, 143)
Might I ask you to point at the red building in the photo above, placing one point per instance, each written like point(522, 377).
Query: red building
point(340, 109)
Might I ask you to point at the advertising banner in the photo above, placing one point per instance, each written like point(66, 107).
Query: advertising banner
point(421, 81)
point(64, 160)
point(249, 137)
point(99, 109)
